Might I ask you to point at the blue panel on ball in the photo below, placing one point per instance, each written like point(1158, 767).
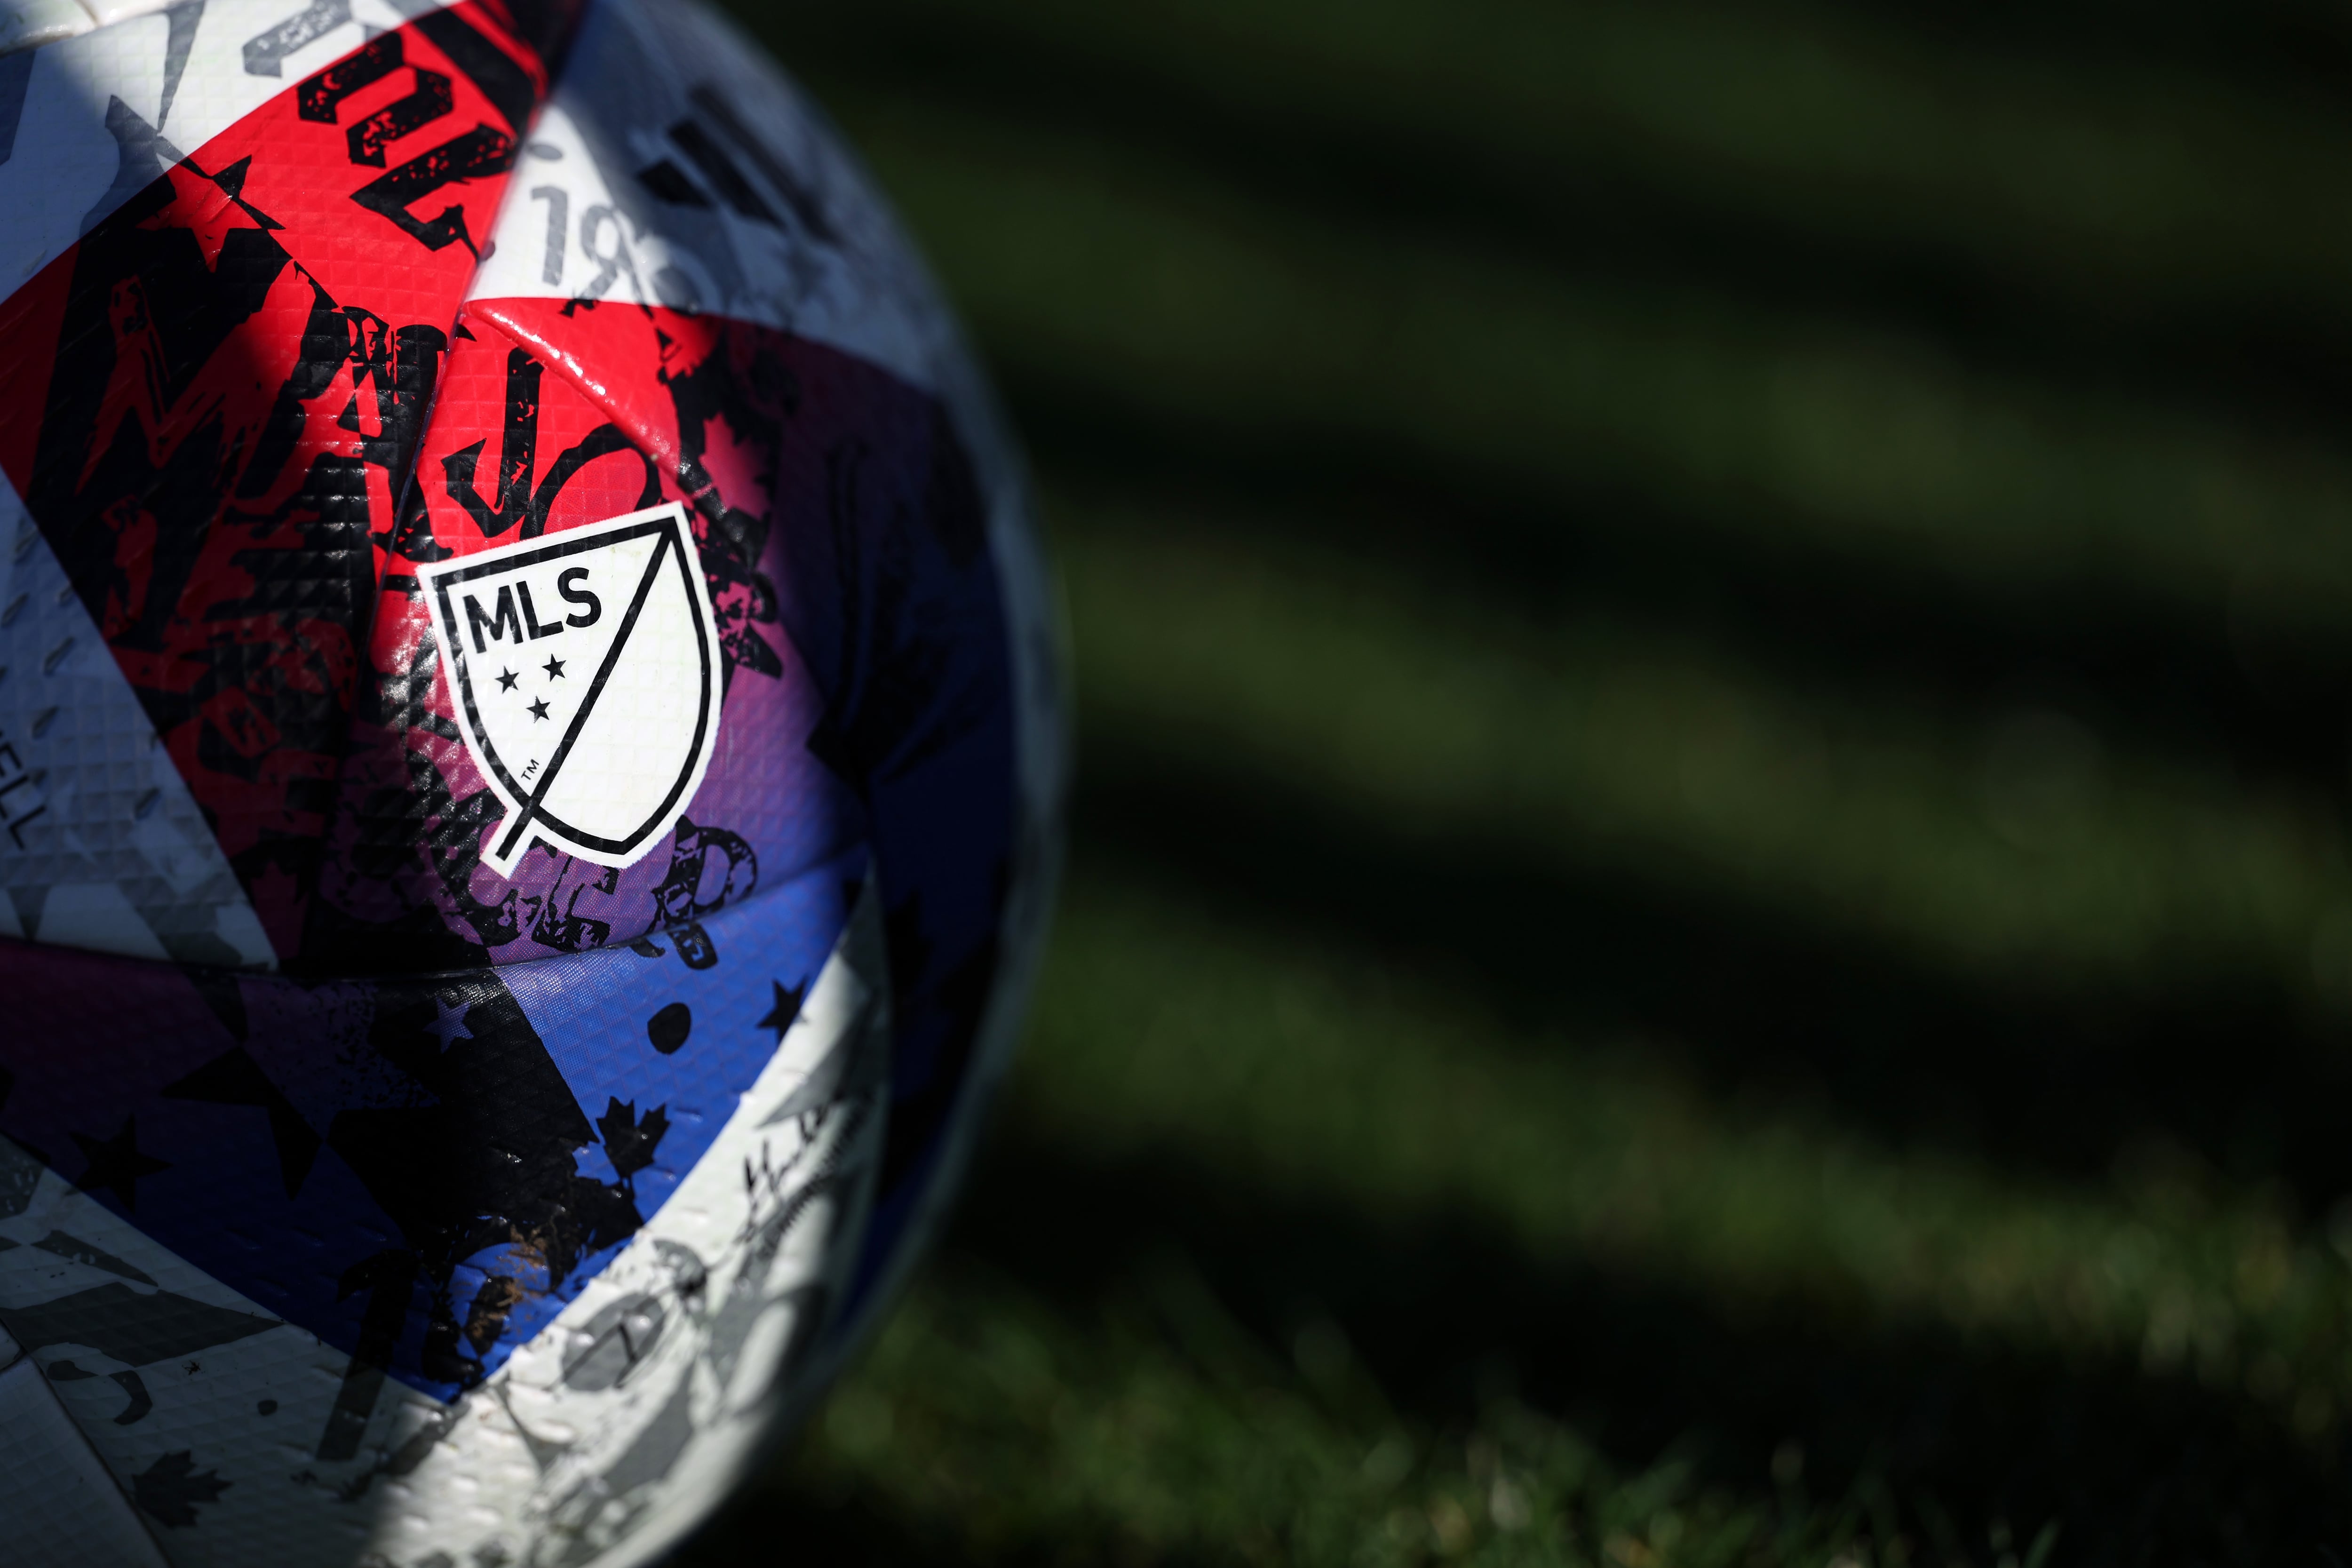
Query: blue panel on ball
point(420, 1171)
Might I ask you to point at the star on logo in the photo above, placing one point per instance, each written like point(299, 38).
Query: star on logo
point(555, 667)
point(506, 678)
point(538, 708)
point(449, 1022)
point(788, 1007)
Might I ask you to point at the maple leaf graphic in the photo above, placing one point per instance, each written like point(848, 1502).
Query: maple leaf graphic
point(630, 1144)
point(170, 1487)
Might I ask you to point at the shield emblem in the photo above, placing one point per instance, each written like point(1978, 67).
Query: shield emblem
point(586, 669)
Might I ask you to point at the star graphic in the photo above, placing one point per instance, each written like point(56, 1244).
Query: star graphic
point(788, 1007)
point(449, 1022)
point(235, 1079)
point(506, 678)
point(555, 667)
point(116, 1163)
point(538, 708)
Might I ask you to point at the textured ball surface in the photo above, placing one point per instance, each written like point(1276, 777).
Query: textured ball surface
point(530, 758)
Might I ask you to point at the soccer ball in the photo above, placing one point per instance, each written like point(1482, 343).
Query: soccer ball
point(530, 764)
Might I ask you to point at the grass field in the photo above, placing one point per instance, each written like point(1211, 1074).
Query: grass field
point(1709, 917)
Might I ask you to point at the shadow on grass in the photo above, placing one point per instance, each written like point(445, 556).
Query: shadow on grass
point(2128, 1460)
point(1602, 204)
point(2264, 46)
point(2062, 1079)
point(777, 1523)
point(1444, 1315)
point(2265, 698)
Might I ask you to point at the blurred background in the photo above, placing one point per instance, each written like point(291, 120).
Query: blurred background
point(1709, 919)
